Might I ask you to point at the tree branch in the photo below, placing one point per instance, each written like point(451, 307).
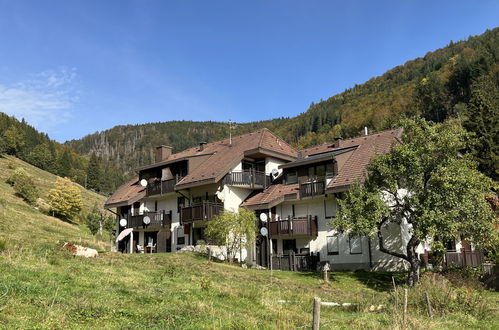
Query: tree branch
point(381, 241)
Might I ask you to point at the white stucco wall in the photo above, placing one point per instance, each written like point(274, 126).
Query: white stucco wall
point(344, 259)
point(271, 163)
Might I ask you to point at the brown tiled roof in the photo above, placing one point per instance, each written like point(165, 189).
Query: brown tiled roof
point(362, 150)
point(272, 196)
point(223, 157)
point(126, 194)
point(355, 168)
point(220, 158)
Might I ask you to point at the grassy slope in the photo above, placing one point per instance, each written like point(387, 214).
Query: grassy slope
point(43, 287)
point(44, 181)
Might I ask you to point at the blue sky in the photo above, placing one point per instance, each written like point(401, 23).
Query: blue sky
point(71, 68)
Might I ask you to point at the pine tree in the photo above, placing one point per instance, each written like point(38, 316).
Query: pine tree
point(65, 164)
point(94, 174)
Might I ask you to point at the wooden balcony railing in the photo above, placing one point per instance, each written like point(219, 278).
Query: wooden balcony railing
point(311, 189)
point(202, 211)
point(162, 187)
point(296, 262)
point(250, 178)
point(464, 258)
point(294, 226)
point(159, 219)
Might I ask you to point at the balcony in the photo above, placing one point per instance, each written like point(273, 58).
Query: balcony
point(203, 211)
point(159, 219)
point(248, 179)
point(312, 189)
point(294, 226)
point(162, 187)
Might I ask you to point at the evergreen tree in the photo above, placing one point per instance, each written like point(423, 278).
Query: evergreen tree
point(482, 118)
point(94, 174)
point(64, 163)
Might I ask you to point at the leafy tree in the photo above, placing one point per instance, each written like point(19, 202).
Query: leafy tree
point(233, 230)
point(65, 199)
point(14, 140)
point(425, 183)
point(94, 174)
point(24, 185)
point(41, 157)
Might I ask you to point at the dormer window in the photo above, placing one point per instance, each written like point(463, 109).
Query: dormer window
point(320, 172)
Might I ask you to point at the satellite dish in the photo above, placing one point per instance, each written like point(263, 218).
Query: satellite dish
point(263, 217)
point(146, 220)
point(275, 173)
point(264, 231)
point(123, 222)
point(143, 182)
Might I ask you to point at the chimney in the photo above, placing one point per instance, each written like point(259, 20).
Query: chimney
point(337, 142)
point(201, 146)
point(163, 152)
point(300, 156)
point(365, 130)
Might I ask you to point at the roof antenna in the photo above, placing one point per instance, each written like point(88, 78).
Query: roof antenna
point(365, 130)
point(230, 132)
point(231, 127)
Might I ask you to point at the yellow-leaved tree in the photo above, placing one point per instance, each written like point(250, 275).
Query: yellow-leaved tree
point(65, 199)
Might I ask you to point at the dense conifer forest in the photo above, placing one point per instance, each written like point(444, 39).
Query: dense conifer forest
point(459, 81)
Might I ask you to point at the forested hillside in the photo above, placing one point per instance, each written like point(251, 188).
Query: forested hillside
point(460, 80)
point(19, 139)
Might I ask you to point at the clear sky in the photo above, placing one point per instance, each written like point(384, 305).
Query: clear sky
point(71, 68)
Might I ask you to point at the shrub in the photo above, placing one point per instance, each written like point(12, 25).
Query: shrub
point(94, 220)
point(445, 298)
point(65, 199)
point(24, 185)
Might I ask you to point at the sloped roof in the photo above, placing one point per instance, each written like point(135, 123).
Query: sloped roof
point(126, 194)
point(362, 150)
point(218, 159)
point(271, 196)
point(355, 168)
point(223, 156)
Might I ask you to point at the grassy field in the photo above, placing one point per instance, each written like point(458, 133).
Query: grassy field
point(43, 287)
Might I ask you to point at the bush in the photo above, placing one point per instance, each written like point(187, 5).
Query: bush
point(445, 298)
point(24, 185)
point(65, 199)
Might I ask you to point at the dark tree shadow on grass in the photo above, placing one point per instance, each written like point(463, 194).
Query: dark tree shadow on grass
point(380, 281)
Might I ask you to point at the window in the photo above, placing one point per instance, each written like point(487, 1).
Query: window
point(319, 172)
point(180, 203)
point(291, 177)
point(329, 208)
point(288, 245)
point(329, 170)
point(355, 243)
point(333, 245)
point(181, 240)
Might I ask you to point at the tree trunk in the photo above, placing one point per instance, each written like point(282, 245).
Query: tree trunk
point(412, 258)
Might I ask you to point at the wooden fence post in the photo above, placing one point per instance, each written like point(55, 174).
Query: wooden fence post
point(430, 313)
point(316, 314)
point(405, 308)
point(396, 293)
